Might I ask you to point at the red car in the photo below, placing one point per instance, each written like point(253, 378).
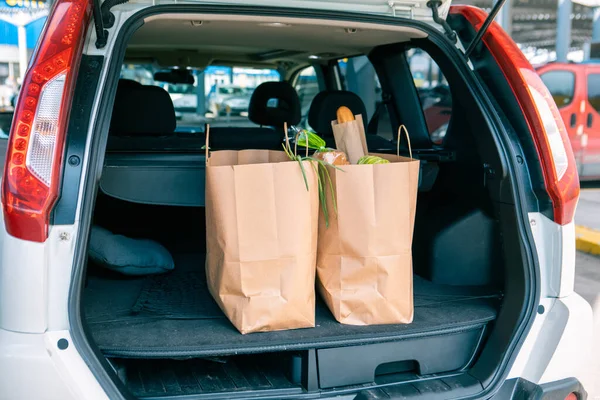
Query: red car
point(576, 90)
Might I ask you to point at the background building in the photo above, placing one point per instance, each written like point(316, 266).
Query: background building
point(21, 22)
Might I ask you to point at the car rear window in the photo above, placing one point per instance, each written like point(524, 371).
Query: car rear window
point(433, 89)
point(307, 87)
point(593, 89)
point(434, 93)
point(355, 72)
point(561, 85)
point(223, 100)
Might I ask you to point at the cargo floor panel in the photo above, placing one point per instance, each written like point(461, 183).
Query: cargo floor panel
point(173, 315)
point(204, 377)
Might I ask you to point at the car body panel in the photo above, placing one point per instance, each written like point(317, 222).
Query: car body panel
point(33, 366)
point(559, 309)
point(23, 283)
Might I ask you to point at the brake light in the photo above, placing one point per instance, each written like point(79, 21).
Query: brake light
point(541, 113)
point(35, 148)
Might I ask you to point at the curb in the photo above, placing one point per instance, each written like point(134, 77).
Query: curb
point(587, 240)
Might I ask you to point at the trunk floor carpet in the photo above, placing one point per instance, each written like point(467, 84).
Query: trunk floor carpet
point(173, 315)
point(199, 376)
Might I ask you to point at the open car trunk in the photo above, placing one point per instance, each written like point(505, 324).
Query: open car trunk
point(137, 317)
point(165, 335)
point(189, 347)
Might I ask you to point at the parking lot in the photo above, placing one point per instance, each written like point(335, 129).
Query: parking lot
point(587, 280)
point(587, 283)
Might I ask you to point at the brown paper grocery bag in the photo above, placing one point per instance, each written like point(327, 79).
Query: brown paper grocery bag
point(364, 261)
point(350, 138)
point(261, 234)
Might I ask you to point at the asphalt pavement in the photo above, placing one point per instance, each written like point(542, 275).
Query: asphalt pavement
point(587, 282)
point(588, 209)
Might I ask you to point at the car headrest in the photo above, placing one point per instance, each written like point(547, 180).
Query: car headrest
point(324, 107)
point(127, 83)
point(286, 107)
point(142, 110)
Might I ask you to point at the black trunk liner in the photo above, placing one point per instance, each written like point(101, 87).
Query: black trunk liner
point(198, 376)
point(173, 315)
point(179, 295)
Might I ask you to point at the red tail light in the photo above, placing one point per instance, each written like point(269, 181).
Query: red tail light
point(36, 143)
point(540, 111)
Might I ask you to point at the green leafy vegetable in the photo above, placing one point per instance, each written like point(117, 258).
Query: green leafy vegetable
point(314, 141)
point(372, 160)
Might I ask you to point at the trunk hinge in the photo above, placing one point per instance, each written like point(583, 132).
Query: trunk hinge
point(101, 33)
point(104, 18)
point(484, 27)
point(107, 16)
point(450, 34)
point(403, 9)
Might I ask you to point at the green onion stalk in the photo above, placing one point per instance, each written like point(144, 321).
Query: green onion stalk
point(311, 140)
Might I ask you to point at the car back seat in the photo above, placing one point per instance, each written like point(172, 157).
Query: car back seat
point(146, 161)
point(323, 110)
point(143, 127)
point(141, 110)
point(271, 104)
point(143, 120)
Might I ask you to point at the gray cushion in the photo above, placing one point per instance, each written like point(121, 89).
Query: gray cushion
point(128, 256)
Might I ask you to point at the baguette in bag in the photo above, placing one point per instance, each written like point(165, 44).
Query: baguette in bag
point(349, 134)
point(344, 115)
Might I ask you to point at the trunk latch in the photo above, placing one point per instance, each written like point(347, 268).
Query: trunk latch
point(403, 9)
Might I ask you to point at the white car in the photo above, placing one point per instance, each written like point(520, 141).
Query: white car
point(224, 99)
point(96, 180)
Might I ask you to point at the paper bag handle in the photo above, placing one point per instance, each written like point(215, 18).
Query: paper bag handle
point(206, 143)
point(287, 140)
point(402, 127)
point(285, 133)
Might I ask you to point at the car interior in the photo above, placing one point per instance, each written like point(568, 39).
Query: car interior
point(163, 333)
